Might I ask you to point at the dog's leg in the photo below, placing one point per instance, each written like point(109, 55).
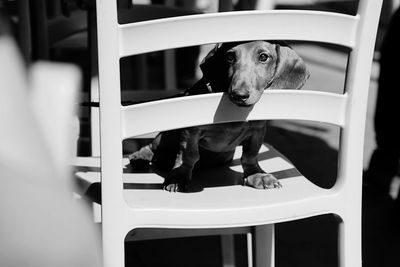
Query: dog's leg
point(166, 147)
point(161, 152)
point(180, 176)
point(254, 176)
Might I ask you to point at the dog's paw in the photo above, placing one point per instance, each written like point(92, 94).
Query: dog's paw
point(262, 181)
point(177, 180)
point(175, 187)
point(172, 188)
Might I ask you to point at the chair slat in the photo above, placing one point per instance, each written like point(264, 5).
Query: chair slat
point(142, 37)
point(217, 108)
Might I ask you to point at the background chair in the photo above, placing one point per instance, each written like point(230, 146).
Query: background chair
point(126, 209)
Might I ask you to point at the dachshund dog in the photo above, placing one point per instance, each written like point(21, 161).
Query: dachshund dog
point(243, 70)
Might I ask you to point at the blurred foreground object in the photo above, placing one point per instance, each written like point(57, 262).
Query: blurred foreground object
point(41, 224)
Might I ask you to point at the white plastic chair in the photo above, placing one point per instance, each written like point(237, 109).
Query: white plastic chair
point(233, 206)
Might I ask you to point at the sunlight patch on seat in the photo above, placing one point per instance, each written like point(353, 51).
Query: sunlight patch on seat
point(143, 178)
point(239, 150)
point(269, 165)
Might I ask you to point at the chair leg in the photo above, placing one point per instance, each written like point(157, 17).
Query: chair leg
point(350, 242)
point(249, 237)
point(228, 250)
point(264, 245)
point(113, 248)
point(96, 208)
point(94, 118)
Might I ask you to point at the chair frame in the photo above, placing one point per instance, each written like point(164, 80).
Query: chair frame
point(348, 110)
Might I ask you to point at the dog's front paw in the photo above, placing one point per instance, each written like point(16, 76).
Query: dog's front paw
point(172, 188)
point(177, 180)
point(262, 181)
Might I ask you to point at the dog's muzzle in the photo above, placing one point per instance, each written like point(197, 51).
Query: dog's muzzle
point(239, 97)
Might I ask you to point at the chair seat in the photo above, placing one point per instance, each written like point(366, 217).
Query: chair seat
point(219, 194)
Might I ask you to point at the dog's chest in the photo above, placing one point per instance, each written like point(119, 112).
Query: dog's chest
point(227, 136)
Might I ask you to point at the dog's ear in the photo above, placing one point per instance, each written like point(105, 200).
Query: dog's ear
point(291, 71)
point(214, 68)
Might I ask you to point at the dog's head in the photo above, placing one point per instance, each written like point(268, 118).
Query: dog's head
point(245, 69)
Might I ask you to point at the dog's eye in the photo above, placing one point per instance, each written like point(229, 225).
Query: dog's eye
point(230, 57)
point(263, 57)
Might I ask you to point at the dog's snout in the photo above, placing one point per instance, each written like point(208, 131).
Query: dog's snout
point(240, 96)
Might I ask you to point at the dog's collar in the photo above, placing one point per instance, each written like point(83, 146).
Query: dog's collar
point(203, 86)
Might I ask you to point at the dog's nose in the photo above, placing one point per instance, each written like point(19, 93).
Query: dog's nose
point(240, 96)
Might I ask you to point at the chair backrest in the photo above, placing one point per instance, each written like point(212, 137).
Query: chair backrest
point(345, 110)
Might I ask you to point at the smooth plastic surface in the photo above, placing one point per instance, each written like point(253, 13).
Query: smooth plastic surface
point(236, 26)
point(217, 108)
point(233, 206)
